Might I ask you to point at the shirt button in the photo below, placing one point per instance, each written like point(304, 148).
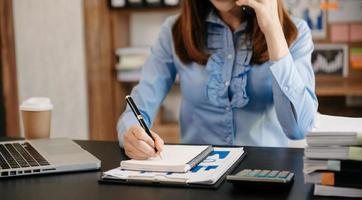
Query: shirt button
point(286, 88)
point(228, 139)
point(227, 83)
point(228, 108)
point(230, 56)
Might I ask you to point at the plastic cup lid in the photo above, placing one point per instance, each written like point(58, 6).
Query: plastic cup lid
point(36, 104)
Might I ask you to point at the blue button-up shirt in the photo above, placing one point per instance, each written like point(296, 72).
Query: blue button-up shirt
point(230, 100)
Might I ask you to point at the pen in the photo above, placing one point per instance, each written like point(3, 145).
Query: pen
point(139, 117)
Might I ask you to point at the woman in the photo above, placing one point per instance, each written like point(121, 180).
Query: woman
point(244, 80)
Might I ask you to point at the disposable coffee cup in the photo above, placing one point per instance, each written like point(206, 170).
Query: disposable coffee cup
point(36, 113)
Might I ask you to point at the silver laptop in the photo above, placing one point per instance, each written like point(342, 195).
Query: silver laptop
point(44, 156)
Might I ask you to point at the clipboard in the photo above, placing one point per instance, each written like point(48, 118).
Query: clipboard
point(151, 182)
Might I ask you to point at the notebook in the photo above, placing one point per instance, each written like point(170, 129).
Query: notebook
point(328, 123)
point(311, 165)
point(324, 190)
point(340, 179)
point(209, 173)
point(174, 158)
point(330, 138)
point(334, 152)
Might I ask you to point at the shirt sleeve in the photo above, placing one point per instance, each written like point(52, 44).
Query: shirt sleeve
point(293, 86)
point(158, 75)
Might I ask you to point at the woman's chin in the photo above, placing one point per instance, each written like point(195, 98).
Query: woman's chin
point(223, 6)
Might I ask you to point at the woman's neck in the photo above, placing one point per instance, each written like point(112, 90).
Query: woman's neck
point(232, 18)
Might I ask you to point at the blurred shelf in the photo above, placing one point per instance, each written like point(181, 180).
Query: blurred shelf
point(169, 132)
point(146, 9)
point(338, 86)
point(133, 76)
point(336, 105)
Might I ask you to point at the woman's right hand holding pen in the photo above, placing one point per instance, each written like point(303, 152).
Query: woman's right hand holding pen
point(138, 145)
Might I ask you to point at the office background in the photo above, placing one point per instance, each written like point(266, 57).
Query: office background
point(65, 50)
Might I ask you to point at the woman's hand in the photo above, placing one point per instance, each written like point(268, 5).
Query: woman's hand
point(138, 145)
point(266, 13)
point(268, 20)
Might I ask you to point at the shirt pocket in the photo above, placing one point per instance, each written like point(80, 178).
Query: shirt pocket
point(215, 38)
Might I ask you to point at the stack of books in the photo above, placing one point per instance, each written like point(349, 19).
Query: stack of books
point(130, 63)
point(333, 162)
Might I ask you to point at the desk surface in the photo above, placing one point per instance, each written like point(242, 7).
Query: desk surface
point(84, 185)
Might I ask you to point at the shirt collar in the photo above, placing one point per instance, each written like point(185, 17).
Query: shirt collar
point(213, 17)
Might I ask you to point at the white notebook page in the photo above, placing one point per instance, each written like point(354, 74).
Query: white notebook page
point(172, 155)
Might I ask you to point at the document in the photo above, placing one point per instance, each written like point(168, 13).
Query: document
point(325, 123)
point(208, 172)
point(175, 158)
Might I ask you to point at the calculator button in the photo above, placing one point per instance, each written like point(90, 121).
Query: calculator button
point(244, 172)
point(253, 173)
point(283, 174)
point(273, 174)
point(263, 173)
point(256, 172)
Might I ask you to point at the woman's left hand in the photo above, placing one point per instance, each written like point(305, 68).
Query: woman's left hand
point(268, 20)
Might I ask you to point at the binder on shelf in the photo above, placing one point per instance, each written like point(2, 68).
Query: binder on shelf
point(171, 2)
point(153, 3)
point(143, 3)
point(130, 62)
point(118, 3)
point(135, 3)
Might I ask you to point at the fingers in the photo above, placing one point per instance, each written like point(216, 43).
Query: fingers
point(140, 134)
point(251, 3)
point(158, 141)
point(133, 153)
point(142, 141)
point(137, 144)
point(142, 147)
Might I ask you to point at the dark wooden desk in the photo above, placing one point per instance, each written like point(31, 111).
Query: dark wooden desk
point(84, 185)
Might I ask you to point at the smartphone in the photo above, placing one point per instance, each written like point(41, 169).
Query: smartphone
point(249, 12)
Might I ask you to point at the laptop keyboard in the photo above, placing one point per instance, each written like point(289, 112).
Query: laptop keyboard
point(16, 155)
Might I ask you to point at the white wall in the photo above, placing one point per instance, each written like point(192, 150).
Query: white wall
point(50, 56)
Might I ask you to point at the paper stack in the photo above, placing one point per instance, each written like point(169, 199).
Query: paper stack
point(333, 157)
point(210, 171)
point(130, 63)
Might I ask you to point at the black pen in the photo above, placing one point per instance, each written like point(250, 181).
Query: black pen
point(139, 117)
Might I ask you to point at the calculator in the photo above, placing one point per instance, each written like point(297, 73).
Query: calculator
point(261, 177)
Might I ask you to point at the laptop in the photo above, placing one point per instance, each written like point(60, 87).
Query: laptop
point(44, 156)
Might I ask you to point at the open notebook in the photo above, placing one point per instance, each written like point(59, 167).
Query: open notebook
point(209, 173)
point(175, 158)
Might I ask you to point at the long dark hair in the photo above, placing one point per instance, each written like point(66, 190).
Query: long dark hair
point(190, 35)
